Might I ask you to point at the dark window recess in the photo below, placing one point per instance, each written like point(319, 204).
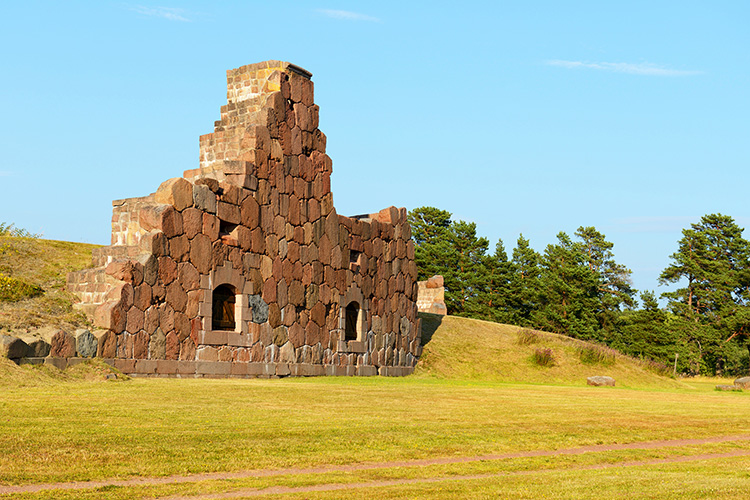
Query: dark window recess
point(226, 229)
point(354, 256)
point(352, 314)
point(223, 309)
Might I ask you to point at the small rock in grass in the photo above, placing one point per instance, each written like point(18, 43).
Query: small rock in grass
point(743, 382)
point(600, 380)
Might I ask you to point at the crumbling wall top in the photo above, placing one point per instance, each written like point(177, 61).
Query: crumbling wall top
point(252, 80)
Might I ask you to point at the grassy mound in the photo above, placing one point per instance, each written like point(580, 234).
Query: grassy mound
point(33, 273)
point(462, 348)
point(94, 370)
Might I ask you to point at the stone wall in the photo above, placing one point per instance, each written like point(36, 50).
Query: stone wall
point(431, 296)
point(312, 292)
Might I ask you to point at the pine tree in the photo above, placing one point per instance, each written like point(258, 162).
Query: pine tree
point(523, 297)
point(615, 288)
point(453, 250)
point(712, 262)
point(569, 291)
point(429, 229)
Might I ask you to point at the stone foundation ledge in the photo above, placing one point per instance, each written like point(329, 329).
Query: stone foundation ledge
point(225, 369)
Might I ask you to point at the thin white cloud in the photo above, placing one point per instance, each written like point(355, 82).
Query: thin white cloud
point(346, 15)
point(169, 13)
point(647, 69)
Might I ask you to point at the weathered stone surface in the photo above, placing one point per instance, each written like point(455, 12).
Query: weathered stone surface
point(62, 345)
point(12, 347)
point(200, 253)
point(86, 343)
point(259, 309)
point(171, 222)
point(204, 199)
point(140, 345)
point(286, 353)
point(187, 349)
point(107, 343)
point(176, 192)
point(280, 335)
point(36, 347)
point(172, 346)
point(158, 345)
point(297, 335)
point(176, 296)
point(600, 380)
point(743, 382)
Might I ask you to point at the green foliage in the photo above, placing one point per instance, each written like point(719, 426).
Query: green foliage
point(581, 289)
point(576, 287)
point(543, 357)
point(712, 307)
point(523, 295)
point(453, 250)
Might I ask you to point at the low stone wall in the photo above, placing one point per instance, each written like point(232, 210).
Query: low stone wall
point(222, 369)
point(63, 350)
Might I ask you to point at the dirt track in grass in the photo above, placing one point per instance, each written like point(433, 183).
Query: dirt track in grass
point(154, 481)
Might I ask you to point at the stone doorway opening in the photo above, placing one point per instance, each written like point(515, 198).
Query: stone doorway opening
point(223, 310)
point(351, 330)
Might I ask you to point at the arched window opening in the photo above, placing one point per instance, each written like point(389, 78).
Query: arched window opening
point(352, 316)
point(223, 308)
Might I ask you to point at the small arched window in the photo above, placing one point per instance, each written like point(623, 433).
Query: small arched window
point(351, 319)
point(223, 308)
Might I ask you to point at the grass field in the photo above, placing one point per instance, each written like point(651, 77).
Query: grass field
point(81, 431)
point(480, 418)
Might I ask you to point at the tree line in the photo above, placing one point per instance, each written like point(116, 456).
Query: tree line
point(575, 287)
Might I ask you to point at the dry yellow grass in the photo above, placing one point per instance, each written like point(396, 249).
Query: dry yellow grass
point(44, 263)
point(462, 348)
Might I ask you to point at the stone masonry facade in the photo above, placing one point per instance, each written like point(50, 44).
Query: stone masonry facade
point(243, 267)
point(431, 296)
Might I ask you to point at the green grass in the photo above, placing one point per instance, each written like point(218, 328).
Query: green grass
point(34, 272)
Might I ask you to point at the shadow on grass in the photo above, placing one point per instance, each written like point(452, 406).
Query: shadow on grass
point(430, 323)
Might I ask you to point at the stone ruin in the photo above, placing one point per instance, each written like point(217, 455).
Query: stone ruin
point(243, 267)
point(431, 296)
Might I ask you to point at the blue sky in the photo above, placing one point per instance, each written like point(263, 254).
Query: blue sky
point(528, 117)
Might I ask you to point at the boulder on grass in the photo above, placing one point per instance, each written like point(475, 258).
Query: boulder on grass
point(12, 347)
point(86, 343)
point(63, 345)
point(600, 380)
point(743, 382)
point(38, 347)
